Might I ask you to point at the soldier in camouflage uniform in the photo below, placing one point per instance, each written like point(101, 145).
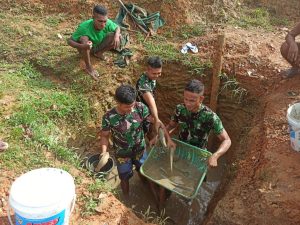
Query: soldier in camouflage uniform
point(146, 86)
point(125, 124)
point(196, 120)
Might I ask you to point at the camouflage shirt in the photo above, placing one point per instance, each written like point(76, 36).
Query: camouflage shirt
point(127, 130)
point(194, 128)
point(144, 85)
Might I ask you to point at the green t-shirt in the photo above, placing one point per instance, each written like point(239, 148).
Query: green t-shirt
point(86, 28)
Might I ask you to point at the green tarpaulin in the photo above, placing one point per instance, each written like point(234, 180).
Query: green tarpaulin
point(149, 22)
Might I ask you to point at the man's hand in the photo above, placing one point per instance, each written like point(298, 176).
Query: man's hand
point(224, 146)
point(171, 145)
point(157, 125)
point(90, 44)
point(116, 41)
point(213, 161)
point(153, 141)
point(293, 52)
point(86, 46)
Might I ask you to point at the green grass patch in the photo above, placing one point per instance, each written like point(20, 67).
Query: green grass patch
point(258, 17)
point(169, 53)
point(92, 199)
point(230, 84)
point(193, 30)
point(278, 21)
point(90, 205)
point(165, 50)
point(99, 185)
point(184, 32)
point(150, 216)
point(28, 71)
point(196, 66)
point(38, 120)
point(12, 158)
point(55, 19)
point(42, 118)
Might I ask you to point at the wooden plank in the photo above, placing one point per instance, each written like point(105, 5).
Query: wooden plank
point(215, 84)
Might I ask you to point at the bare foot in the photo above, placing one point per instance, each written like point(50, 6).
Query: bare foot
point(93, 73)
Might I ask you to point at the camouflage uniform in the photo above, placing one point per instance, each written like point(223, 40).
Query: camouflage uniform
point(194, 128)
point(127, 136)
point(144, 85)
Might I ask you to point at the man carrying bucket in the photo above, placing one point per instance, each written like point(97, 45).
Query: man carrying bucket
point(196, 120)
point(125, 124)
point(290, 50)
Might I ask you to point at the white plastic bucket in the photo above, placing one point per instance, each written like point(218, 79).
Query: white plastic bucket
point(293, 117)
point(43, 196)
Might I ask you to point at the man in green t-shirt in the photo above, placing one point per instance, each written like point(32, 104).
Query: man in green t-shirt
point(95, 36)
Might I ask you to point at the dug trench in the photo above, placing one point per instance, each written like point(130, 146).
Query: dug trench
point(236, 109)
point(236, 112)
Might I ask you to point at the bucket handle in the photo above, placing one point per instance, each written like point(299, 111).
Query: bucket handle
point(8, 215)
point(73, 204)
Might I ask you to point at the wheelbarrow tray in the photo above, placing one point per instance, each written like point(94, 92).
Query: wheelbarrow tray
point(189, 168)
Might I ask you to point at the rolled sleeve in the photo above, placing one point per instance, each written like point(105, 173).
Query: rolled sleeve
point(110, 26)
point(79, 32)
point(105, 123)
point(145, 111)
point(217, 124)
point(144, 88)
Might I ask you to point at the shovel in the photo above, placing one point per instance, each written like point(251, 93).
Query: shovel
point(162, 140)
